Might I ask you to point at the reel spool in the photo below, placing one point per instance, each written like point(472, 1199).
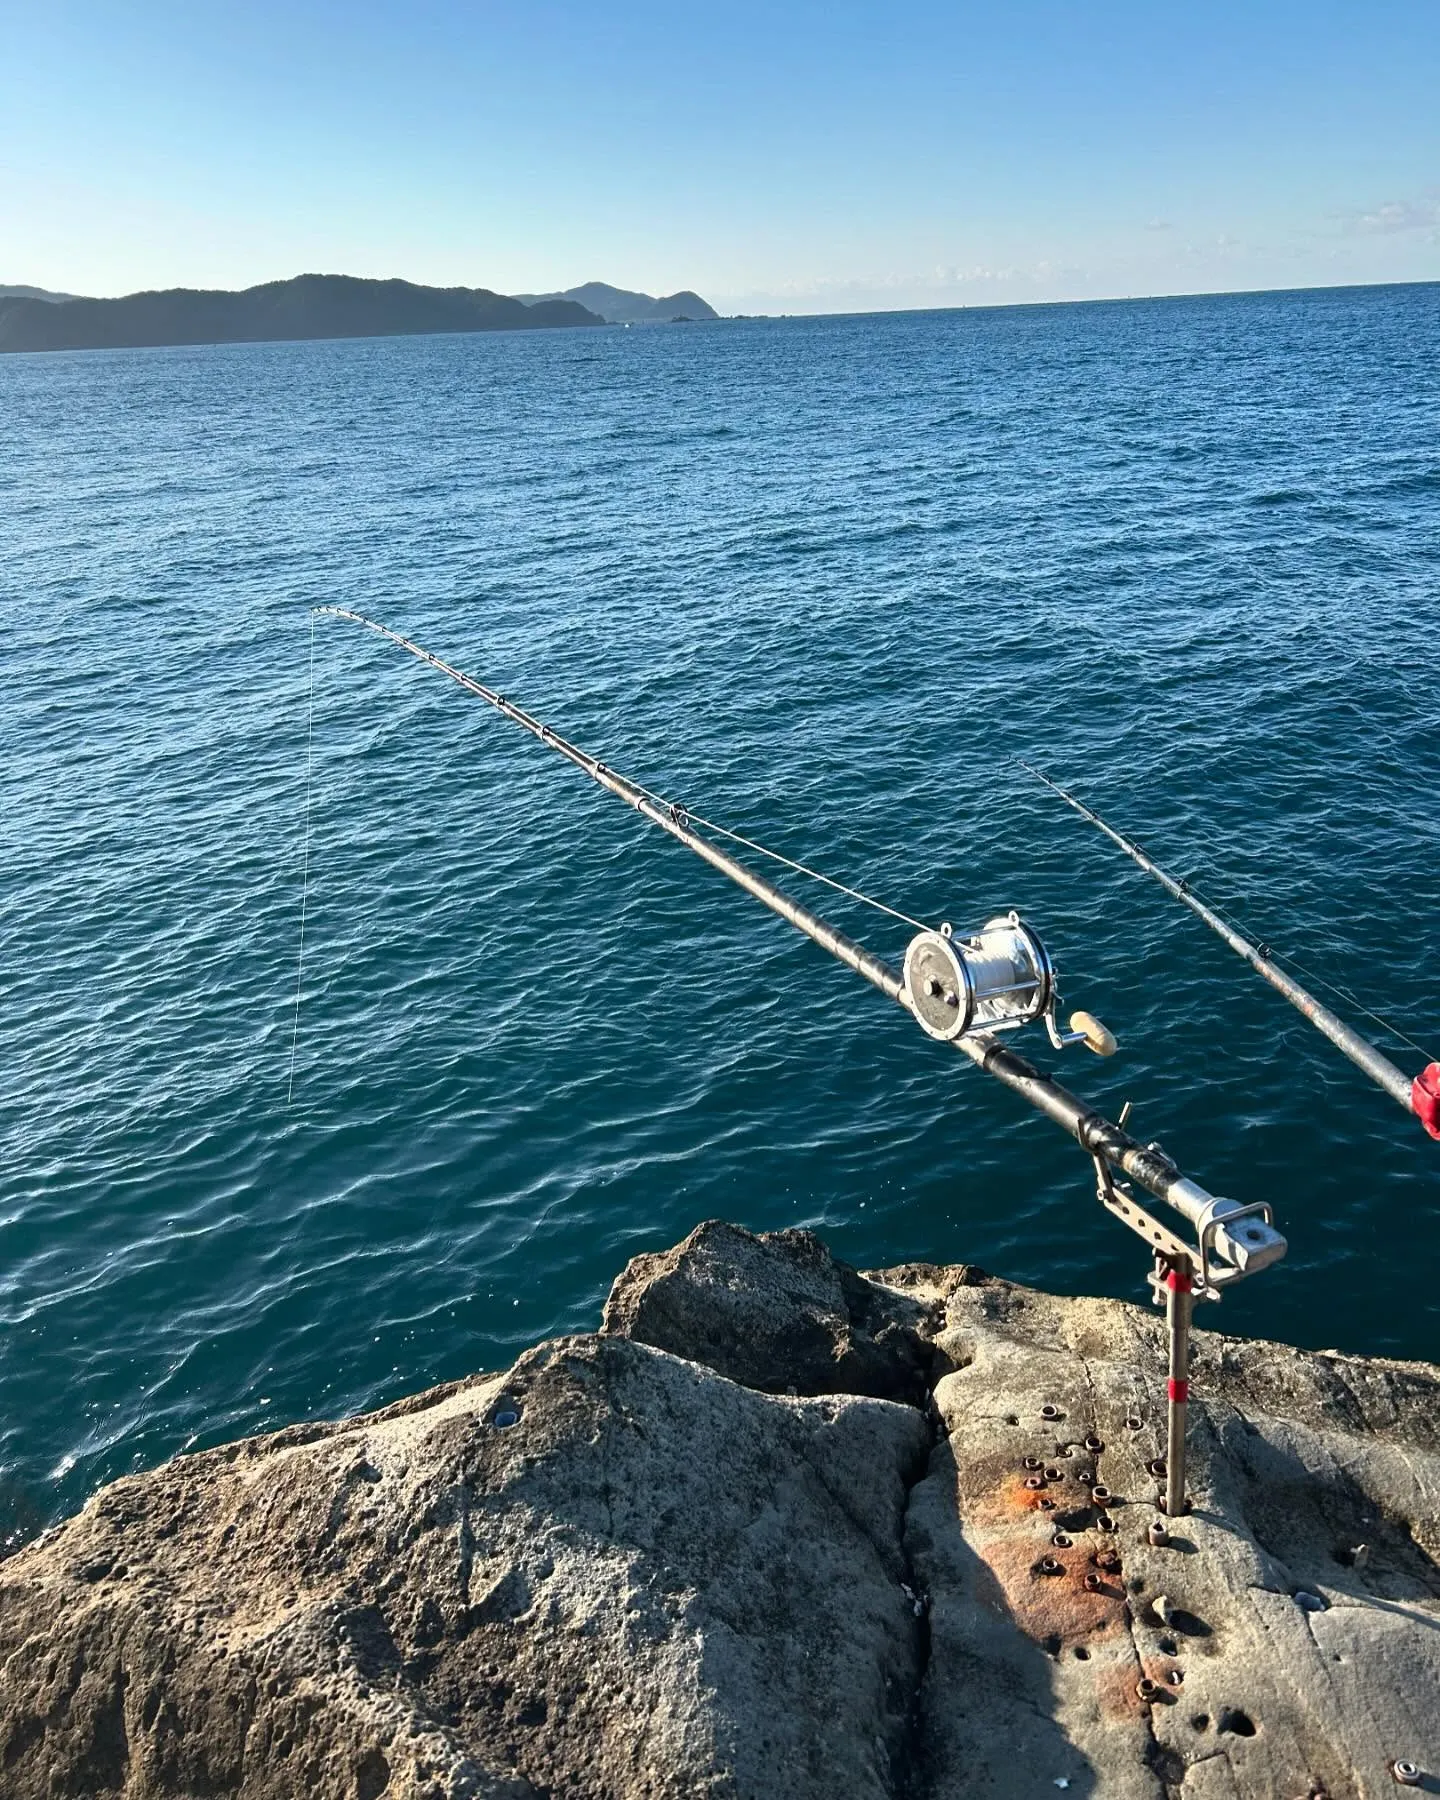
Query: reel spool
point(998, 979)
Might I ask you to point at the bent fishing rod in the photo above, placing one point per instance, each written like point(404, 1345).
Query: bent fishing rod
point(1419, 1095)
point(971, 991)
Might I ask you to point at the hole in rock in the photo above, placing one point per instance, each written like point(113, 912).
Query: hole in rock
point(1168, 1647)
point(1081, 1653)
point(1200, 1722)
point(372, 1776)
point(1240, 1723)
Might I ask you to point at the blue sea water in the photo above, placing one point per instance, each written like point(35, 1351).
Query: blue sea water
point(822, 579)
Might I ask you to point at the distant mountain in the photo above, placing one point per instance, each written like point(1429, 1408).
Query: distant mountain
point(309, 306)
point(31, 293)
point(618, 306)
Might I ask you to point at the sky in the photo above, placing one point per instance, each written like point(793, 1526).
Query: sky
point(776, 157)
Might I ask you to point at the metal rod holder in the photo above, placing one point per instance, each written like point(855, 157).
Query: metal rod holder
point(1179, 1306)
point(1183, 1273)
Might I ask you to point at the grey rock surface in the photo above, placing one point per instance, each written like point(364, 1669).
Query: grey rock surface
point(651, 1582)
point(778, 1313)
point(635, 1565)
point(1279, 1666)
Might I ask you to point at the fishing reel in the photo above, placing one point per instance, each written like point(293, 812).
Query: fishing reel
point(997, 979)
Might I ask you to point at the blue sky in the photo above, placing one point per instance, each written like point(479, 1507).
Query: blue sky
point(776, 157)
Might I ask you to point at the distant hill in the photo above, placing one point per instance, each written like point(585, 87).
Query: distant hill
point(618, 306)
point(309, 306)
point(31, 293)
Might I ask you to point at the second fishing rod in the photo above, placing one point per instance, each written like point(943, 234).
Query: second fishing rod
point(1418, 1094)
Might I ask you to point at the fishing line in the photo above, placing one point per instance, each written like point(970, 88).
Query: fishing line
point(787, 862)
point(677, 812)
point(1266, 948)
point(814, 874)
point(305, 871)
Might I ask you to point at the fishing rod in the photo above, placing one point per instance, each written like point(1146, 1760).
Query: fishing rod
point(1419, 1095)
point(971, 991)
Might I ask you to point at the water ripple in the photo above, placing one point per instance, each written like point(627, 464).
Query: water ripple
point(822, 579)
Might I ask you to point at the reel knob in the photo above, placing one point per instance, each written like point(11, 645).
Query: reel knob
point(1098, 1037)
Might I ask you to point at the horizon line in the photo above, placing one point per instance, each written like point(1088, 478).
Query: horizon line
point(1318, 287)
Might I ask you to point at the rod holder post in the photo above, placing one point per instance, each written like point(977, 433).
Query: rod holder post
point(1179, 1304)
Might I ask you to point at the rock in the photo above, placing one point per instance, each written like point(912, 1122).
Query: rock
point(1294, 1459)
point(655, 1583)
point(778, 1312)
point(635, 1566)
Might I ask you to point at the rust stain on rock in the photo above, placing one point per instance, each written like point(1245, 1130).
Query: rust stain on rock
point(1051, 1605)
point(1115, 1691)
point(1010, 1500)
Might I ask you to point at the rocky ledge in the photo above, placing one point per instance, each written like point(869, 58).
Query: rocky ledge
point(778, 1529)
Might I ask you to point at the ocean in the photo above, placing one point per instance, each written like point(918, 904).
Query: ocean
point(823, 580)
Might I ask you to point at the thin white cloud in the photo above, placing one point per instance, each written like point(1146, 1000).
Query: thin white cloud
point(1398, 215)
point(918, 287)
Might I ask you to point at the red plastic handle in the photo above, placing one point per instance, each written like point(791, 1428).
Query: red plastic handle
point(1425, 1098)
